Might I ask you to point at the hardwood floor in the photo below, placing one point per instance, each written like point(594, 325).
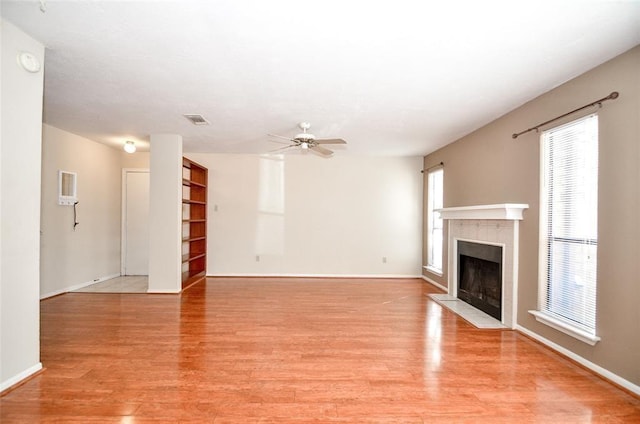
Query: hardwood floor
point(267, 350)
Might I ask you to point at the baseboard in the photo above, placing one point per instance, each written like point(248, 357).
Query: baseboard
point(438, 285)
point(603, 372)
point(78, 286)
point(171, 291)
point(373, 276)
point(16, 379)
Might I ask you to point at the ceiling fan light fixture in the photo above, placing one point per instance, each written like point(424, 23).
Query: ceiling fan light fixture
point(129, 146)
point(305, 137)
point(304, 145)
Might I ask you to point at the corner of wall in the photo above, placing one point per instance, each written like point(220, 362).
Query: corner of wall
point(21, 133)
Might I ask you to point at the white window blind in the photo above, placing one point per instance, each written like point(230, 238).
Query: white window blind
point(569, 223)
point(435, 179)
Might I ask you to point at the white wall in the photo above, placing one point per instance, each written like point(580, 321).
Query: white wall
point(165, 220)
point(307, 215)
point(70, 258)
point(21, 129)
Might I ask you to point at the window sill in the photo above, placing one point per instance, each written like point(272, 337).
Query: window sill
point(566, 328)
point(433, 270)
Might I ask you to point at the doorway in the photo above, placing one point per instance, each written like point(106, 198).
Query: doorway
point(135, 222)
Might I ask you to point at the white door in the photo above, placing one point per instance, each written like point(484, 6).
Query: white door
point(135, 218)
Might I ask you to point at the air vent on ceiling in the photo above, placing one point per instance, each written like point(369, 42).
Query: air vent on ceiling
point(196, 119)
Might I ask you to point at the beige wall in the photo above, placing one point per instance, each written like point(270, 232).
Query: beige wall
point(71, 259)
point(135, 160)
point(488, 166)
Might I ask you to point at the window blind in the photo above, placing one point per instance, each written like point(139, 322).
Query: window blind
point(435, 179)
point(569, 223)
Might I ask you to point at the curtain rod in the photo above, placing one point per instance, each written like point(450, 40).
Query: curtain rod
point(431, 167)
point(611, 96)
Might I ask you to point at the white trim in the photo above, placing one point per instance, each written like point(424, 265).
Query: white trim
point(78, 286)
point(438, 285)
point(376, 276)
point(582, 361)
point(546, 230)
point(452, 249)
point(433, 270)
point(542, 219)
point(433, 215)
point(516, 271)
point(123, 214)
point(164, 291)
point(565, 328)
point(509, 211)
point(20, 376)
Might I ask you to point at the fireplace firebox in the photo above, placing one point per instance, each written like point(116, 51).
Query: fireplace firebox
point(480, 276)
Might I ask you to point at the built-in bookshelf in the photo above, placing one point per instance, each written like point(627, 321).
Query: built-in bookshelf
point(194, 222)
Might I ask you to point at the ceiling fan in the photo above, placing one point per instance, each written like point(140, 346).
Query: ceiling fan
point(308, 141)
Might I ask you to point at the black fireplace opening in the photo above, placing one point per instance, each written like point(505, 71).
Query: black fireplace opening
point(480, 276)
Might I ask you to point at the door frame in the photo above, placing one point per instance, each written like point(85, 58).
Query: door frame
point(123, 214)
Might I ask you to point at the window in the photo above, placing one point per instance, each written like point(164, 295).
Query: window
point(569, 228)
point(434, 222)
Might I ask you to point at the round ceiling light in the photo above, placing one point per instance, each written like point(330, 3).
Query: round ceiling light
point(129, 146)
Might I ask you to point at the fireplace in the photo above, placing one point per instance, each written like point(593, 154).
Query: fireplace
point(480, 276)
point(494, 225)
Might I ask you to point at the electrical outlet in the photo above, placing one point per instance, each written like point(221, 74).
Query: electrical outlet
point(384, 259)
point(257, 258)
point(215, 208)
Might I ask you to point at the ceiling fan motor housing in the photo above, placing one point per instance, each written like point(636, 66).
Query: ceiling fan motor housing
point(305, 137)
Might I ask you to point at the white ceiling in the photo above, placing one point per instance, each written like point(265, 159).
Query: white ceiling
point(391, 77)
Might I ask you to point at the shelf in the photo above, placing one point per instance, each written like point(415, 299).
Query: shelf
point(188, 258)
point(190, 274)
point(189, 183)
point(192, 277)
point(188, 163)
point(194, 238)
point(194, 193)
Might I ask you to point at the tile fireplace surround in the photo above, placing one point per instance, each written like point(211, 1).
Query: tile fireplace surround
point(496, 225)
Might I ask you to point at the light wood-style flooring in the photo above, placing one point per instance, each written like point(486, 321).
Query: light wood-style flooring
point(267, 350)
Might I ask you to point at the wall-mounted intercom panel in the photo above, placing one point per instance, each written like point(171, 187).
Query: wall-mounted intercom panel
point(67, 188)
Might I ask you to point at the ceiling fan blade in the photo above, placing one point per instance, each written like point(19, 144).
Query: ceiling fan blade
point(280, 136)
point(282, 148)
point(321, 150)
point(331, 141)
point(278, 142)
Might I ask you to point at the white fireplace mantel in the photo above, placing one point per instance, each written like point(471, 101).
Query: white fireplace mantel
point(509, 211)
